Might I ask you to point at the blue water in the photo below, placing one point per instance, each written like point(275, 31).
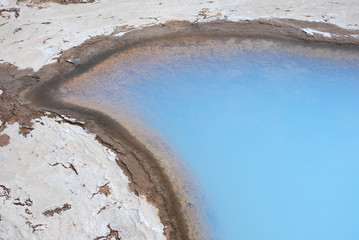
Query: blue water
point(273, 139)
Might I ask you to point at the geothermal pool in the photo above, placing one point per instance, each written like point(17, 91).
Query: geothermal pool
point(270, 129)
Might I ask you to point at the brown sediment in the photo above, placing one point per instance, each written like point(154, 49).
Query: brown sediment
point(12, 82)
point(112, 234)
point(27, 95)
point(15, 11)
point(58, 210)
point(36, 2)
point(4, 140)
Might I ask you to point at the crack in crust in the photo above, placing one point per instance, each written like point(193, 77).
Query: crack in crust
point(64, 2)
point(58, 210)
point(104, 189)
point(71, 166)
point(15, 11)
point(5, 192)
point(113, 234)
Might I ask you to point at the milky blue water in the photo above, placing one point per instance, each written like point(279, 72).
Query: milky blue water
point(273, 139)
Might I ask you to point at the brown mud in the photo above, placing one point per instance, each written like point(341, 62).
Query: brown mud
point(27, 95)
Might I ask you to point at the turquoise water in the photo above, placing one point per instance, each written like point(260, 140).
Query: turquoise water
point(273, 138)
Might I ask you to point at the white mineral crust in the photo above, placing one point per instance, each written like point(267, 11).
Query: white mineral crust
point(58, 182)
point(40, 32)
point(310, 31)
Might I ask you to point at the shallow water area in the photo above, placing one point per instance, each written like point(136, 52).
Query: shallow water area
point(270, 128)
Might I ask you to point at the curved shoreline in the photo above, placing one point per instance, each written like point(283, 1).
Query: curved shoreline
point(112, 134)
